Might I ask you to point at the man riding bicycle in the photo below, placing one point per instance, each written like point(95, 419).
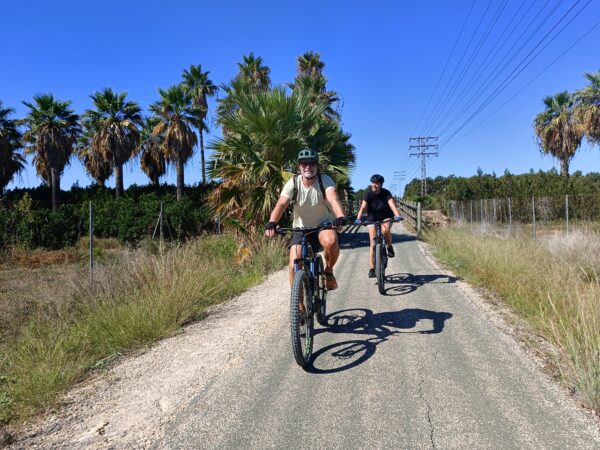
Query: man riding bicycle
point(380, 205)
point(315, 203)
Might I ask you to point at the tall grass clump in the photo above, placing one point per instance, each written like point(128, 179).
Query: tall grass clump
point(137, 298)
point(553, 282)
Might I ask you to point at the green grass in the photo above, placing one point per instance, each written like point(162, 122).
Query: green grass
point(138, 298)
point(553, 282)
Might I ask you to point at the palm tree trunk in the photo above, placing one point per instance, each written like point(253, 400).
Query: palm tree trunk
point(564, 167)
point(118, 180)
point(55, 181)
point(202, 157)
point(179, 167)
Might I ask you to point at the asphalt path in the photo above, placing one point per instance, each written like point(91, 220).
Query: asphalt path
point(419, 367)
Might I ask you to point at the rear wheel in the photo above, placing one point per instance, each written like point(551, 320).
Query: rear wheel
point(321, 301)
point(301, 319)
point(380, 267)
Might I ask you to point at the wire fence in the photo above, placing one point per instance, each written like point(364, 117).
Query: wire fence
point(538, 213)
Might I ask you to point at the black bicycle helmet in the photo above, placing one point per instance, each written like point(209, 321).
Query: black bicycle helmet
point(307, 153)
point(377, 178)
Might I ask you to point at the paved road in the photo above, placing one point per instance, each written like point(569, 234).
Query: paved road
point(421, 367)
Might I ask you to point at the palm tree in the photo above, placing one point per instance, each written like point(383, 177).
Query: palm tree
point(200, 87)
point(252, 69)
point(177, 116)
point(310, 78)
point(52, 129)
point(557, 131)
point(588, 107)
point(152, 158)
point(116, 121)
point(310, 64)
point(97, 166)
point(258, 155)
point(11, 161)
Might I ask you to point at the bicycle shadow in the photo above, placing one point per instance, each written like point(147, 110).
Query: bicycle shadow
point(378, 328)
point(405, 283)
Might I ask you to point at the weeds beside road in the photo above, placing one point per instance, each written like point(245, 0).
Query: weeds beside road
point(140, 296)
point(553, 282)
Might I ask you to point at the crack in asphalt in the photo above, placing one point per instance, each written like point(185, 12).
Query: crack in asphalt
point(424, 399)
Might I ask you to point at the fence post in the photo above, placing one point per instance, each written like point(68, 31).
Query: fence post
point(567, 210)
point(471, 213)
point(509, 216)
point(91, 243)
point(533, 215)
point(481, 211)
point(419, 219)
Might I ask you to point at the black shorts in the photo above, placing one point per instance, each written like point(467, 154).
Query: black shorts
point(312, 238)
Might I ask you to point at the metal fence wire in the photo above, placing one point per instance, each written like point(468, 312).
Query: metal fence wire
point(558, 211)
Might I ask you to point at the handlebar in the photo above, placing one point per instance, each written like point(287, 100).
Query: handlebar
point(379, 222)
point(304, 230)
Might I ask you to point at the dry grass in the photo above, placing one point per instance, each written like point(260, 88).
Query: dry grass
point(139, 297)
point(554, 282)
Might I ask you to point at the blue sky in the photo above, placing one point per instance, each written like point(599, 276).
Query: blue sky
point(383, 57)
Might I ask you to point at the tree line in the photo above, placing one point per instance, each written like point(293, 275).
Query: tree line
point(263, 127)
point(482, 185)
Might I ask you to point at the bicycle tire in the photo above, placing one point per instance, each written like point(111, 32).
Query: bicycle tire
point(301, 330)
point(379, 268)
point(321, 292)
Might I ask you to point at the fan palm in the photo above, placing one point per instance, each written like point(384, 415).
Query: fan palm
point(51, 131)
point(588, 107)
point(97, 166)
point(116, 120)
point(310, 78)
point(258, 155)
point(11, 161)
point(177, 116)
point(252, 69)
point(310, 64)
point(557, 131)
point(152, 158)
point(200, 87)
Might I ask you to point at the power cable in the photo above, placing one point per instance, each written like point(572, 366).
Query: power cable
point(512, 75)
point(449, 143)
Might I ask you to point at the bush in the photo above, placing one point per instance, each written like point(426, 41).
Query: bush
point(29, 222)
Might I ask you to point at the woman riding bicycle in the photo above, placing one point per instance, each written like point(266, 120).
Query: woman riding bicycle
point(379, 204)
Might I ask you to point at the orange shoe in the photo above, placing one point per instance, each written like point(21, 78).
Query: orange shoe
point(330, 282)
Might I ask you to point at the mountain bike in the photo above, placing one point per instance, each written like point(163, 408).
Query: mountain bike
point(308, 297)
point(379, 252)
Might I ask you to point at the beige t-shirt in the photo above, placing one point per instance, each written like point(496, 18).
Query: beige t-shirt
point(310, 209)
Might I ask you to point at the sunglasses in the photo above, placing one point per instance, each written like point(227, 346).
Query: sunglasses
point(308, 163)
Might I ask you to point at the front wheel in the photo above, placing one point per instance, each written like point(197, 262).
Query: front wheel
point(321, 293)
point(380, 268)
point(301, 318)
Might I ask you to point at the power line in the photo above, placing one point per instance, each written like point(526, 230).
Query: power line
point(483, 87)
point(445, 66)
point(448, 143)
point(506, 82)
point(427, 121)
point(470, 62)
point(491, 55)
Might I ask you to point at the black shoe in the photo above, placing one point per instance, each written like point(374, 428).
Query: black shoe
point(371, 273)
point(390, 251)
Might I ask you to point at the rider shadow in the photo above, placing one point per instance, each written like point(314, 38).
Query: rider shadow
point(377, 328)
point(405, 283)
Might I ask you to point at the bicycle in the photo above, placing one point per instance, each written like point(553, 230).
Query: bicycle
point(379, 252)
point(308, 296)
